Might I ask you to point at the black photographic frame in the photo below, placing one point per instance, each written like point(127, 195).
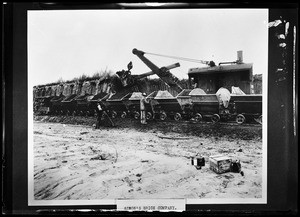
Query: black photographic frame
point(282, 118)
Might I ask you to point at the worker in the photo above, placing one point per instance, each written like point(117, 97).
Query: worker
point(143, 109)
point(129, 66)
point(99, 115)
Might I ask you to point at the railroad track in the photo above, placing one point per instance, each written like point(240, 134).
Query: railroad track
point(117, 119)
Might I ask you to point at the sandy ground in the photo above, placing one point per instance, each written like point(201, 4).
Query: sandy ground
point(78, 162)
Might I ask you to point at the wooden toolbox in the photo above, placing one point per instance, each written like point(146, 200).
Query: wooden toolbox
point(220, 163)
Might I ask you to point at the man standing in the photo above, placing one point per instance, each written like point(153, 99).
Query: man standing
point(143, 109)
point(99, 115)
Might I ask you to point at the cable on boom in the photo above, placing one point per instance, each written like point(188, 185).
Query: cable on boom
point(210, 63)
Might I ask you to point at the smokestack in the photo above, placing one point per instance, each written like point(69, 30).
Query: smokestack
point(240, 56)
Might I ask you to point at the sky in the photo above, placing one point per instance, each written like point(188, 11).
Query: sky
point(64, 44)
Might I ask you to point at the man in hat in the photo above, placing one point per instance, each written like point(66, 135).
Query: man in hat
point(99, 115)
point(143, 109)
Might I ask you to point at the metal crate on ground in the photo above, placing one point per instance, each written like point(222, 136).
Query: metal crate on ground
point(220, 164)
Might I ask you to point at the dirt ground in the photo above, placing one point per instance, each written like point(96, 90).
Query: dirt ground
point(72, 160)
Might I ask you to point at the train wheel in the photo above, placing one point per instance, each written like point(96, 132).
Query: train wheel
point(198, 117)
point(136, 115)
point(149, 116)
point(68, 113)
point(74, 113)
point(240, 119)
point(123, 115)
point(87, 113)
point(215, 118)
point(162, 116)
point(113, 114)
point(177, 117)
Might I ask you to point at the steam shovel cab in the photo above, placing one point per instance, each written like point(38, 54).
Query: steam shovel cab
point(245, 107)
